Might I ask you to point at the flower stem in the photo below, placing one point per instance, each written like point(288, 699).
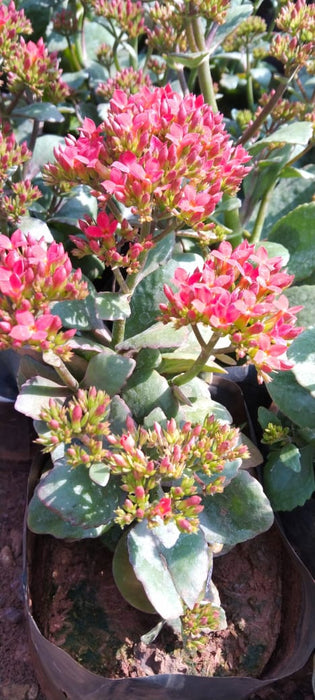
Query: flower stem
point(118, 333)
point(260, 219)
point(199, 363)
point(204, 72)
point(255, 126)
point(66, 376)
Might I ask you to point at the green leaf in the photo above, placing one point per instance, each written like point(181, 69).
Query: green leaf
point(288, 489)
point(238, 514)
point(78, 313)
point(100, 473)
point(157, 256)
point(190, 60)
point(71, 494)
point(42, 111)
point(112, 306)
point(296, 133)
point(236, 14)
point(157, 336)
point(44, 148)
point(293, 400)
point(303, 295)
point(296, 231)
point(171, 574)
point(118, 412)
point(43, 521)
point(265, 417)
point(108, 371)
point(149, 293)
point(290, 456)
point(80, 204)
point(36, 393)
point(302, 353)
point(287, 195)
point(38, 228)
point(200, 409)
point(147, 390)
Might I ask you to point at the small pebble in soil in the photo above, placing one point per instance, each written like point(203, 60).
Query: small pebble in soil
point(6, 557)
point(32, 693)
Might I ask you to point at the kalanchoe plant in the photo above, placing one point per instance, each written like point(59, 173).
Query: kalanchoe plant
point(118, 359)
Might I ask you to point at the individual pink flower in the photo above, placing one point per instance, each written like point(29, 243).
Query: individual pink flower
point(238, 293)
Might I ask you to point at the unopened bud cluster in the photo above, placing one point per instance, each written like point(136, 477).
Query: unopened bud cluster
point(197, 622)
point(275, 434)
point(81, 425)
point(128, 14)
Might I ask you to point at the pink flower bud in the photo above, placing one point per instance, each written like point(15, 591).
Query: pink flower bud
point(139, 492)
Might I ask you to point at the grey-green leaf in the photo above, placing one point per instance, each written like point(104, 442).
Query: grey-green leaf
point(296, 232)
point(71, 494)
point(44, 521)
point(241, 512)
point(151, 569)
point(293, 400)
point(36, 393)
point(302, 353)
point(288, 489)
point(108, 371)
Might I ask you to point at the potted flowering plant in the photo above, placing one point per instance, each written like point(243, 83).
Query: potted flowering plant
point(137, 284)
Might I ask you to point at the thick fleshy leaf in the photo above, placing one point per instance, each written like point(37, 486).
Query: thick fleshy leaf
point(80, 204)
point(303, 295)
point(169, 575)
point(37, 228)
point(42, 111)
point(112, 306)
point(302, 353)
point(190, 59)
point(36, 393)
point(78, 313)
point(296, 133)
point(288, 194)
point(118, 412)
point(43, 521)
point(236, 13)
point(288, 456)
point(145, 390)
point(149, 293)
point(241, 512)
point(293, 400)
point(157, 336)
point(200, 409)
point(71, 494)
point(296, 231)
point(44, 148)
point(286, 488)
point(100, 473)
point(108, 371)
point(157, 256)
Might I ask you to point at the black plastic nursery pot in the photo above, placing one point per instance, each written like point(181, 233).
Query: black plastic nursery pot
point(61, 676)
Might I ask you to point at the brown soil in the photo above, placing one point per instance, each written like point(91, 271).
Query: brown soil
point(69, 626)
point(83, 603)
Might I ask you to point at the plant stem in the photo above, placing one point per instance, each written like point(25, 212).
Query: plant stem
point(204, 72)
point(249, 82)
point(66, 376)
point(251, 130)
point(262, 211)
point(118, 333)
point(199, 363)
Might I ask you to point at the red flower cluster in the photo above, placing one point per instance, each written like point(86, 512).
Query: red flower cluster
point(238, 293)
point(32, 275)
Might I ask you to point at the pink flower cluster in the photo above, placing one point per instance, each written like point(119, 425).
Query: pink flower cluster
point(12, 23)
point(32, 275)
point(159, 153)
point(238, 293)
point(30, 65)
